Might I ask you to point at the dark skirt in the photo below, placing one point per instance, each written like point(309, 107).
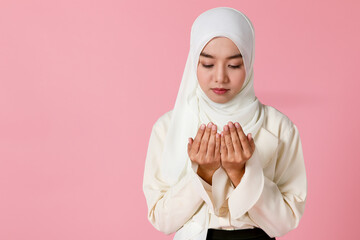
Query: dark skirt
point(240, 234)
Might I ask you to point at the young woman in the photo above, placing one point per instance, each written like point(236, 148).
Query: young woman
point(222, 165)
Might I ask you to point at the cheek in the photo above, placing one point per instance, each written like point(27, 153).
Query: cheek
point(238, 78)
point(203, 76)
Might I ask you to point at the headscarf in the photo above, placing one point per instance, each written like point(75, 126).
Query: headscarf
point(193, 107)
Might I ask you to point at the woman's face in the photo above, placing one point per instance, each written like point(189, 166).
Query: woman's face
point(221, 70)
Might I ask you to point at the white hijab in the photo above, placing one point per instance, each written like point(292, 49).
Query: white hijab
point(193, 107)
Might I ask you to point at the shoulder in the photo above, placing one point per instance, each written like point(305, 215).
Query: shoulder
point(277, 122)
point(163, 121)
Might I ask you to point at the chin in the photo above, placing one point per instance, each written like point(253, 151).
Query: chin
point(223, 100)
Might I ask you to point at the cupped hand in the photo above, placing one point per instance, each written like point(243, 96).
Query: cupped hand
point(205, 151)
point(236, 149)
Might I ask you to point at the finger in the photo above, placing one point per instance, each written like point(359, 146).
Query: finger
point(244, 140)
point(217, 146)
point(223, 149)
point(212, 142)
point(197, 140)
point(189, 145)
point(228, 142)
point(205, 140)
point(235, 138)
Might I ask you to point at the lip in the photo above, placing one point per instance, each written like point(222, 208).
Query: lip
point(219, 91)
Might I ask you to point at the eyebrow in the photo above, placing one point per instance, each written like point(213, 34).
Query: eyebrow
point(210, 56)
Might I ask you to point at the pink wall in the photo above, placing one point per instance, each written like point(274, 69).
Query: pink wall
point(82, 82)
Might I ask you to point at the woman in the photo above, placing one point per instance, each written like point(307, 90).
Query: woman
point(222, 165)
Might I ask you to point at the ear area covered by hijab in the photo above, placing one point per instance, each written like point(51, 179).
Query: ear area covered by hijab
point(193, 107)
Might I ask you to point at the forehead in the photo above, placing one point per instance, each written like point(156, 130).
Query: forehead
point(220, 46)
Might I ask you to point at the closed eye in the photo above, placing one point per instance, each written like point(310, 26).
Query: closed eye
point(211, 65)
point(232, 66)
point(207, 66)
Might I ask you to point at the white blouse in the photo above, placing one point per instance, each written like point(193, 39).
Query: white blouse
point(270, 196)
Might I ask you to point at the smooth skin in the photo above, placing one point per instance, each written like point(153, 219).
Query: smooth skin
point(221, 66)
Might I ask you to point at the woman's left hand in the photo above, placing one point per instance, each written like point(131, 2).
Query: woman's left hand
point(236, 148)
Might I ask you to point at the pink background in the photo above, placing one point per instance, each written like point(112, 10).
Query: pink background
point(82, 82)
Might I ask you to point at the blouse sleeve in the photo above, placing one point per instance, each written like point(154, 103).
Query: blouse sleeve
point(278, 207)
point(169, 207)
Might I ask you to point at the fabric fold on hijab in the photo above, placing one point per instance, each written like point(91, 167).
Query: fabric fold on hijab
point(193, 107)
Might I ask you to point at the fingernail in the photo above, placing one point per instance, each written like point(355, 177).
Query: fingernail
point(209, 125)
point(213, 127)
point(231, 125)
point(202, 126)
point(226, 128)
point(217, 135)
point(237, 125)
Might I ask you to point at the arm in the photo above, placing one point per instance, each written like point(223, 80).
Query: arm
point(276, 206)
point(169, 207)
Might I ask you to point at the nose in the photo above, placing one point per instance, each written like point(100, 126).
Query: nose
point(220, 74)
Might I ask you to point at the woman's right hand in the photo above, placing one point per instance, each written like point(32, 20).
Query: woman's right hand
point(205, 151)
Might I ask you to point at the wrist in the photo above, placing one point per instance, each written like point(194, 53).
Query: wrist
point(236, 176)
point(205, 174)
